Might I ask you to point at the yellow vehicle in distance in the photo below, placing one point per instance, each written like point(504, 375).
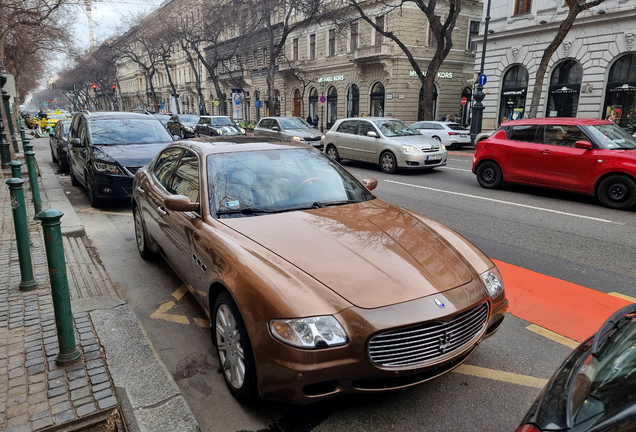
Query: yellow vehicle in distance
point(51, 120)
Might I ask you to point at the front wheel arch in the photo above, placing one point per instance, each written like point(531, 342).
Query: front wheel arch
point(606, 175)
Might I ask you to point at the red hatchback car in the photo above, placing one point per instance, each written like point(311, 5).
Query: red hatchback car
point(588, 156)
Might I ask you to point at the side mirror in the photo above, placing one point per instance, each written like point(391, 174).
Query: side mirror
point(372, 134)
point(370, 183)
point(276, 128)
point(76, 143)
point(52, 134)
point(180, 203)
point(500, 135)
point(585, 145)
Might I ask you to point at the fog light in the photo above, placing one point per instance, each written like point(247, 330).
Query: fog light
point(107, 190)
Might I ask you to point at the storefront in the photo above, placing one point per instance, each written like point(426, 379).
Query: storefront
point(313, 102)
point(332, 106)
point(377, 100)
point(565, 87)
point(297, 104)
point(353, 101)
point(513, 94)
point(621, 91)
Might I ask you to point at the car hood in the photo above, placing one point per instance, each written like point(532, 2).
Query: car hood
point(303, 133)
point(227, 129)
point(190, 124)
point(420, 141)
point(128, 154)
point(372, 254)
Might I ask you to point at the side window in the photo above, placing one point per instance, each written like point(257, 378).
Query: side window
point(348, 127)
point(265, 123)
point(427, 126)
point(366, 127)
point(185, 180)
point(73, 131)
point(438, 126)
point(274, 123)
point(164, 164)
point(523, 133)
point(81, 132)
point(563, 135)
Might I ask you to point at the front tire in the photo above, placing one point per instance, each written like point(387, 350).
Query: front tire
point(140, 235)
point(182, 134)
point(618, 192)
point(74, 180)
point(489, 175)
point(94, 200)
point(332, 152)
point(388, 163)
point(233, 349)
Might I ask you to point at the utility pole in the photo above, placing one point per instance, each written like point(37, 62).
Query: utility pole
point(91, 28)
point(478, 107)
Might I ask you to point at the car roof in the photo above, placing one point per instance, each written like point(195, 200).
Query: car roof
point(117, 114)
point(209, 116)
point(573, 121)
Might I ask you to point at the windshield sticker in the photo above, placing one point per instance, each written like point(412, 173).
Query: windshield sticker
point(232, 204)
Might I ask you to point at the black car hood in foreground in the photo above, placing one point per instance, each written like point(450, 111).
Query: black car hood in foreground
point(611, 401)
point(127, 154)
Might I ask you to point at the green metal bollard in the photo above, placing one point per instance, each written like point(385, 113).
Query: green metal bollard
point(21, 225)
point(29, 155)
point(16, 169)
point(22, 131)
point(59, 286)
point(7, 109)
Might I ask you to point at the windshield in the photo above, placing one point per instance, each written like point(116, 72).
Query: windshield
point(606, 382)
point(278, 180)
point(222, 121)
point(189, 119)
point(127, 131)
point(395, 128)
point(56, 116)
point(611, 137)
point(294, 123)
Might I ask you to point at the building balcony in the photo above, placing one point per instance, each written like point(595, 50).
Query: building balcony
point(373, 53)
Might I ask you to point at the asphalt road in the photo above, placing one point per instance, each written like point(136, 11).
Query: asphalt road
point(562, 235)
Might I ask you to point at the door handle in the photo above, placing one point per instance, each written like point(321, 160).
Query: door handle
point(140, 189)
point(545, 152)
point(161, 211)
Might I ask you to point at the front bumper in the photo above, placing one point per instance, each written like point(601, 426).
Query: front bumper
point(320, 145)
point(422, 160)
point(120, 186)
point(306, 376)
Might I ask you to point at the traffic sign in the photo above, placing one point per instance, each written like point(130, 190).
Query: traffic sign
point(259, 104)
point(464, 101)
point(217, 103)
point(483, 79)
point(163, 105)
point(323, 99)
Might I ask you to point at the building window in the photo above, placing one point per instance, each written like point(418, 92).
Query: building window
point(354, 36)
point(313, 102)
point(332, 106)
point(312, 46)
point(523, 7)
point(295, 49)
point(265, 60)
point(379, 22)
point(332, 42)
point(620, 95)
point(377, 100)
point(432, 42)
point(565, 86)
point(473, 33)
point(513, 93)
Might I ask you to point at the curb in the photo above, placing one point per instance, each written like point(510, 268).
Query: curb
point(71, 225)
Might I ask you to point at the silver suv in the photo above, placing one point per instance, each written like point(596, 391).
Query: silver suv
point(389, 142)
point(293, 128)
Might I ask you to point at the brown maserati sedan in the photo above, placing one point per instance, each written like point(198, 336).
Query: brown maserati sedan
point(314, 287)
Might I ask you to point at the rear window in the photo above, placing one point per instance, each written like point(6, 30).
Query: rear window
point(523, 133)
point(455, 126)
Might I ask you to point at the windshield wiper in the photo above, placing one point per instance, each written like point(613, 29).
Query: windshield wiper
point(336, 203)
point(613, 322)
point(247, 211)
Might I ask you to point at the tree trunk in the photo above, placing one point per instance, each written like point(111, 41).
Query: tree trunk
point(197, 80)
point(172, 86)
point(211, 68)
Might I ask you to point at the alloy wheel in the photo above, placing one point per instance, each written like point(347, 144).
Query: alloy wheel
point(387, 162)
point(139, 231)
point(229, 344)
point(331, 152)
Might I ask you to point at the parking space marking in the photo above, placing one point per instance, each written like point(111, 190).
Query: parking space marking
point(623, 296)
point(183, 290)
point(162, 315)
point(505, 202)
point(553, 336)
point(202, 322)
point(497, 375)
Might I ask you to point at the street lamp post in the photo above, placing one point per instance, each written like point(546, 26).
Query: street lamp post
point(322, 106)
point(478, 107)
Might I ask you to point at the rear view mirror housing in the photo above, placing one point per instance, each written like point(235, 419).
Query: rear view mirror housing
point(75, 142)
point(582, 144)
point(370, 183)
point(372, 134)
point(180, 203)
point(276, 129)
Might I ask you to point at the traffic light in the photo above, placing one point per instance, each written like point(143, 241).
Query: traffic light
point(114, 87)
point(94, 86)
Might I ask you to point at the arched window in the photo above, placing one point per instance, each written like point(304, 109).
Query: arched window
point(332, 106)
point(513, 93)
point(313, 102)
point(420, 109)
point(297, 103)
point(353, 101)
point(377, 100)
point(620, 96)
point(565, 86)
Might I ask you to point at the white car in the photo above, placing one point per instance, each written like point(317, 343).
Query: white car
point(452, 135)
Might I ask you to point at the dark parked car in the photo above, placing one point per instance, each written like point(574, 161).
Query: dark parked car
point(183, 125)
point(163, 118)
point(107, 148)
point(58, 141)
point(218, 126)
point(594, 389)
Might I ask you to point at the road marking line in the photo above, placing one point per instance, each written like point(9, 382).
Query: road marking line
point(552, 335)
point(183, 290)
point(498, 375)
point(458, 160)
point(623, 296)
point(461, 154)
point(456, 169)
point(202, 322)
point(161, 314)
point(506, 202)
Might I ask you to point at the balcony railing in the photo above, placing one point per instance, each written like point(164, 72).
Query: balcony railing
point(373, 52)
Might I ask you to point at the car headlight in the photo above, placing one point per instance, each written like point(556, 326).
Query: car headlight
point(309, 333)
point(296, 138)
point(189, 129)
point(409, 149)
point(323, 138)
point(242, 131)
point(219, 131)
point(105, 167)
point(443, 147)
point(493, 281)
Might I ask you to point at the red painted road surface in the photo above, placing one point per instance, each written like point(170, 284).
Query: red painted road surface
point(565, 308)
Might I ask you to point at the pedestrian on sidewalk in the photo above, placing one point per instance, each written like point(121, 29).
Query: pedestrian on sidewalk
point(310, 120)
point(316, 121)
